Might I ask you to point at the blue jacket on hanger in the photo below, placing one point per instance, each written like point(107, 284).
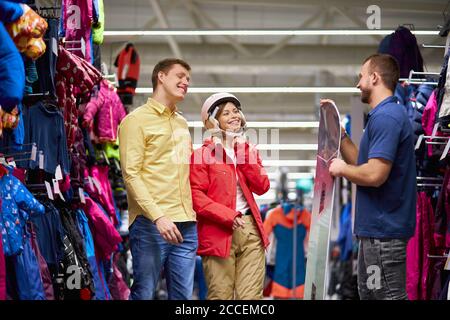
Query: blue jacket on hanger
point(15, 196)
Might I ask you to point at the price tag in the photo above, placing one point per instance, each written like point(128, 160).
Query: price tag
point(91, 184)
point(97, 185)
point(58, 173)
point(55, 46)
point(81, 193)
point(447, 263)
point(419, 141)
point(435, 128)
point(33, 152)
point(49, 190)
point(41, 160)
point(56, 186)
point(447, 147)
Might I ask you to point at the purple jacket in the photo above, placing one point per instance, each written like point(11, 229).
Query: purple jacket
point(106, 111)
point(106, 237)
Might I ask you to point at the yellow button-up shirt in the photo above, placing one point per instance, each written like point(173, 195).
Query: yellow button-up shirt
point(155, 149)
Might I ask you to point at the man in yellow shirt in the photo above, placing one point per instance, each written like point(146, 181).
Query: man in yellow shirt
point(155, 147)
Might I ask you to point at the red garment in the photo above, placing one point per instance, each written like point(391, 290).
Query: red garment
point(127, 63)
point(74, 78)
point(213, 183)
point(106, 237)
point(106, 111)
point(2, 270)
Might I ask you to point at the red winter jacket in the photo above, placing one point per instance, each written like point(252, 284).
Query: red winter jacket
point(106, 111)
point(213, 184)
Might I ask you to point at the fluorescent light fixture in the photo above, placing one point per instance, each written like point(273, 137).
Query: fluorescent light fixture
point(286, 147)
point(264, 90)
point(289, 146)
point(289, 163)
point(292, 175)
point(267, 32)
point(268, 124)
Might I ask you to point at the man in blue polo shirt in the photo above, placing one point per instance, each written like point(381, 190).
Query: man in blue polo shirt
point(385, 173)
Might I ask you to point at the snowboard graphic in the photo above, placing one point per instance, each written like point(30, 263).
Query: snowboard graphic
point(319, 237)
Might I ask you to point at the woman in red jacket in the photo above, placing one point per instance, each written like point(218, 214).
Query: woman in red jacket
point(224, 173)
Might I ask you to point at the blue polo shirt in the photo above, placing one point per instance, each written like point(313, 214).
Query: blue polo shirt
point(389, 211)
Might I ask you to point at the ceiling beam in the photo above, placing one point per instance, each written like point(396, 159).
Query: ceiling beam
point(430, 6)
point(355, 20)
point(202, 15)
point(283, 42)
point(165, 25)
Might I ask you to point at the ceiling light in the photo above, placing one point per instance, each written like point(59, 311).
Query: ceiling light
point(292, 175)
point(268, 124)
point(264, 90)
point(289, 163)
point(250, 32)
point(275, 146)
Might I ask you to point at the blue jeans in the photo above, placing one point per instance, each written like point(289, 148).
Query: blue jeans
point(151, 253)
point(382, 269)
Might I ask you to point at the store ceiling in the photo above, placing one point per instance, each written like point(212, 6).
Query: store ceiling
point(275, 61)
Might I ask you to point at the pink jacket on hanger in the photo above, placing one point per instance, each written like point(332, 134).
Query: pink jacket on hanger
point(104, 195)
point(77, 18)
point(419, 246)
point(106, 237)
point(429, 117)
point(105, 111)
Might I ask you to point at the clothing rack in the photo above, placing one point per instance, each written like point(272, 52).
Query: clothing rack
point(82, 47)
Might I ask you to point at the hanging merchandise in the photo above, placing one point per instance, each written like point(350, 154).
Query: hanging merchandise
point(12, 72)
point(46, 278)
point(280, 221)
point(402, 45)
point(46, 65)
point(75, 78)
point(83, 225)
point(44, 125)
point(12, 220)
point(101, 191)
point(99, 24)
point(2, 269)
point(27, 33)
point(76, 27)
point(104, 112)
point(28, 284)
point(106, 237)
point(128, 64)
point(86, 285)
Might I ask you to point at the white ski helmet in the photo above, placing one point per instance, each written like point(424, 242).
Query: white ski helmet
point(210, 105)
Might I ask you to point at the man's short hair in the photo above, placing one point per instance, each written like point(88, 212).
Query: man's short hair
point(165, 66)
point(387, 67)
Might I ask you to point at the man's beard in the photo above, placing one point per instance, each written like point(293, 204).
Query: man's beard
point(365, 96)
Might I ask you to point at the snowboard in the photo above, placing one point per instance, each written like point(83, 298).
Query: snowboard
point(329, 140)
